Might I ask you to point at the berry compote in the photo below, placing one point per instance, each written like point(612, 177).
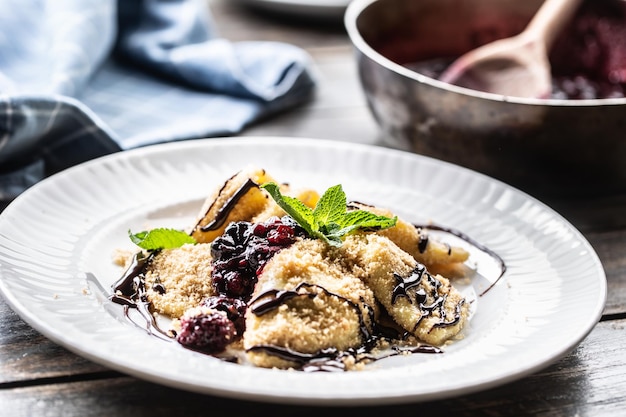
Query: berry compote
point(240, 254)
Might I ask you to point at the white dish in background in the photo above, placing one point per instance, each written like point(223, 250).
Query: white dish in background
point(62, 231)
point(304, 8)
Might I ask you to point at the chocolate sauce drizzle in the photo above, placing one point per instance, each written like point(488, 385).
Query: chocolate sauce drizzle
point(331, 359)
point(327, 360)
point(406, 283)
point(272, 299)
point(423, 242)
point(414, 279)
point(222, 214)
point(130, 292)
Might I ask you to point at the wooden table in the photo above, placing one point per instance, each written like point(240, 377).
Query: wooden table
point(38, 377)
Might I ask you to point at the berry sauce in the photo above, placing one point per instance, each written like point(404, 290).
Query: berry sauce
point(240, 254)
point(588, 59)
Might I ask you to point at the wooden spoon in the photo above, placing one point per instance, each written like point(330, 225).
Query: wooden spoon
point(516, 66)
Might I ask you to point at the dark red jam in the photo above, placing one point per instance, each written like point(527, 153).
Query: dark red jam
point(588, 60)
point(240, 254)
point(564, 87)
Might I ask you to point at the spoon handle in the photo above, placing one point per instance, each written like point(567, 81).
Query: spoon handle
point(550, 19)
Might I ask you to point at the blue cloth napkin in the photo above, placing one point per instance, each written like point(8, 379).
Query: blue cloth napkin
point(84, 78)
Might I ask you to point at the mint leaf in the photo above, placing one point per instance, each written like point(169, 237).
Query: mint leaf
point(160, 238)
point(294, 207)
point(331, 206)
point(365, 219)
point(329, 220)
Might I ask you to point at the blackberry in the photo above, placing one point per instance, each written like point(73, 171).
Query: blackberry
point(241, 252)
point(208, 332)
point(234, 308)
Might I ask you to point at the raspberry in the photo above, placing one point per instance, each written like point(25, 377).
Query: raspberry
point(260, 230)
point(282, 235)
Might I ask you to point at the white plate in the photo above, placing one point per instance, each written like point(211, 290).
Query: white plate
point(316, 8)
point(65, 228)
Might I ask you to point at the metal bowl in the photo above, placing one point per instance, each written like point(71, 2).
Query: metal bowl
point(555, 146)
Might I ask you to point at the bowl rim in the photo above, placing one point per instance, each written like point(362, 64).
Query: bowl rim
point(355, 9)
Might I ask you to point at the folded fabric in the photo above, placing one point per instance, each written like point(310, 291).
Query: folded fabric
point(83, 78)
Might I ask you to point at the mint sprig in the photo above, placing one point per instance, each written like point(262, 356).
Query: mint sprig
point(160, 238)
point(329, 220)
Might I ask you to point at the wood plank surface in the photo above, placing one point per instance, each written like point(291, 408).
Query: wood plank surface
point(26, 355)
point(588, 382)
point(611, 249)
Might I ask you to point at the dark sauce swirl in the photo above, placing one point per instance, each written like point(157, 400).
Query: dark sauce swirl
point(130, 292)
point(414, 279)
point(403, 284)
point(328, 360)
point(423, 239)
point(222, 214)
point(331, 359)
point(272, 299)
point(469, 240)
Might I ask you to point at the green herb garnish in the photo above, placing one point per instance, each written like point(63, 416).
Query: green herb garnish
point(160, 238)
point(329, 220)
